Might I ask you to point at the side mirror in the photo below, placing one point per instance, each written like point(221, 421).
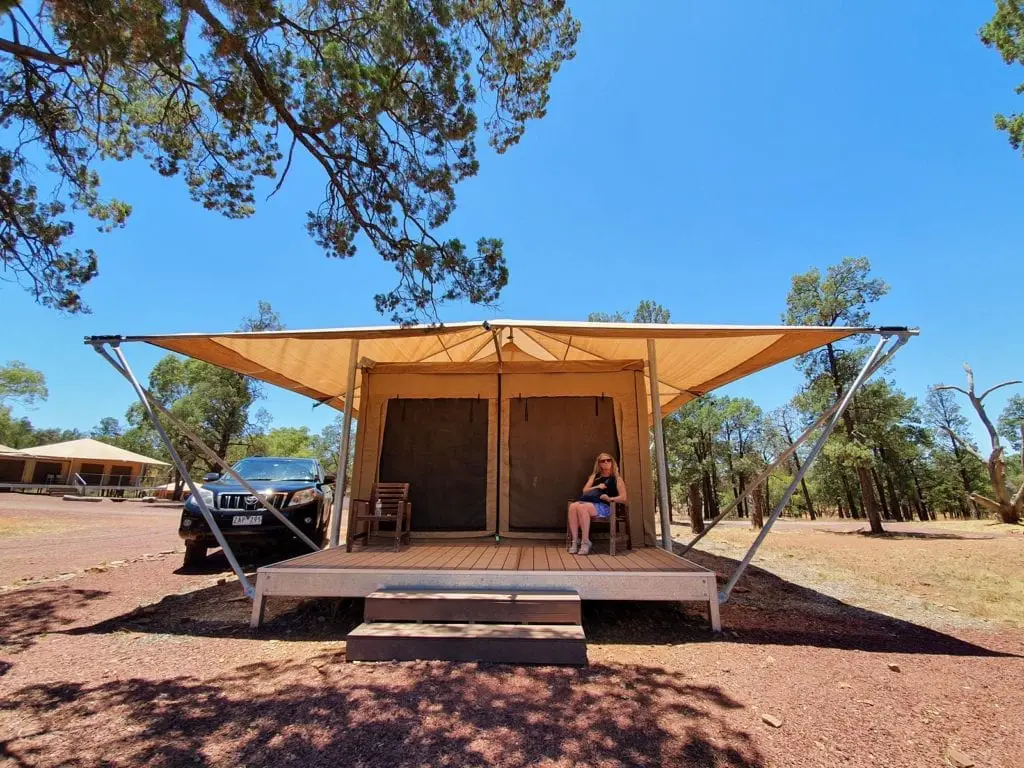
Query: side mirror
point(330, 478)
point(209, 477)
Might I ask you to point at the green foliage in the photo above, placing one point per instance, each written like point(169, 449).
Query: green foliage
point(1005, 32)
point(647, 311)
point(20, 383)
point(1011, 420)
point(381, 95)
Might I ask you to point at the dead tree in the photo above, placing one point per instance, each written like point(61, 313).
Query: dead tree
point(1009, 507)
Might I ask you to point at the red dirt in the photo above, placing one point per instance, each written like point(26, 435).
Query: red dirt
point(142, 665)
point(44, 537)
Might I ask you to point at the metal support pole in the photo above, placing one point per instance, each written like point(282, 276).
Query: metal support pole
point(218, 461)
point(343, 449)
point(126, 370)
point(659, 447)
point(876, 353)
point(753, 486)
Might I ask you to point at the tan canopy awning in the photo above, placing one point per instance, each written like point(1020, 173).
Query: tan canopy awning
point(691, 359)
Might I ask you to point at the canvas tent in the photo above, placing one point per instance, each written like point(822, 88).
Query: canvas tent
point(495, 423)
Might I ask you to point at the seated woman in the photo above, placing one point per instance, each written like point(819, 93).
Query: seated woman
point(604, 487)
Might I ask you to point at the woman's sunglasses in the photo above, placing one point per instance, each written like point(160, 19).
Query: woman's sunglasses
point(604, 461)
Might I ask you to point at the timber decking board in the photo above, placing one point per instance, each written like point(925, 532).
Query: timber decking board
point(498, 607)
point(488, 556)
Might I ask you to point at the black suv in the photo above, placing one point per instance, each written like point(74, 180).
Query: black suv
point(298, 487)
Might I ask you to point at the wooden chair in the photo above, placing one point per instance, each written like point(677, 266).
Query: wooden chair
point(395, 508)
point(617, 522)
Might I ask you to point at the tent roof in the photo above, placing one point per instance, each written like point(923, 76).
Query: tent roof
point(691, 359)
point(7, 449)
point(89, 450)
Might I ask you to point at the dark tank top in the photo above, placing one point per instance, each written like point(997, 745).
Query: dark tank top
point(612, 488)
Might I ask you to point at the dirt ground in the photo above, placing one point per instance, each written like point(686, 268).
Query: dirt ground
point(42, 537)
point(139, 663)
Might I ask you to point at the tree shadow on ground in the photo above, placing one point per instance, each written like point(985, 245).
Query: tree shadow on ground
point(767, 609)
point(764, 609)
point(323, 713)
point(27, 614)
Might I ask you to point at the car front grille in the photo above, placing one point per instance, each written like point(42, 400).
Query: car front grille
point(248, 503)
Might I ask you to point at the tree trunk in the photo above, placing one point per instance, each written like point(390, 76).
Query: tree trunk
point(757, 512)
point(883, 502)
point(714, 485)
point(867, 495)
point(696, 516)
point(922, 506)
point(851, 503)
point(894, 497)
point(796, 462)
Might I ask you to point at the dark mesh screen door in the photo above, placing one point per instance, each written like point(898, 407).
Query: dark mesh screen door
point(552, 444)
point(439, 447)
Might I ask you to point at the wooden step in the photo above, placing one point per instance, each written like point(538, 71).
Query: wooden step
point(501, 643)
point(469, 606)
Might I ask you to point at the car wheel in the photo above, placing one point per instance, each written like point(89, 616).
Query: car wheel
point(195, 555)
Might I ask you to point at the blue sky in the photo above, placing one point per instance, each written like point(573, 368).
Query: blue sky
point(698, 154)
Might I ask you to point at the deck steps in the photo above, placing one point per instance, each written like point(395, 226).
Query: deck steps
point(518, 627)
point(464, 607)
point(499, 643)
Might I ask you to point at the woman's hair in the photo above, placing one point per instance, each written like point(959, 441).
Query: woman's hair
point(615, 464)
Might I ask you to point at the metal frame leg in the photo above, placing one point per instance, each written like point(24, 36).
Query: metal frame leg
point(344, 448)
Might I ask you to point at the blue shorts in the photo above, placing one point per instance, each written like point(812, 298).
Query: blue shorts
point(603, 509)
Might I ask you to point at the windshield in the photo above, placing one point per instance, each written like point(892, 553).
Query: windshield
point(276, 469)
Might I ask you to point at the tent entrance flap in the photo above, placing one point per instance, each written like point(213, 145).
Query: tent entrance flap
point(552, 443)
point(439, 446)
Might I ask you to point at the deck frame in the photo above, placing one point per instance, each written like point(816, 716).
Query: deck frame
point(645, 573)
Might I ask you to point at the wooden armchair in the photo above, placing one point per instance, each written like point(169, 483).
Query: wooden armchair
point(395, 508)
point(619, 532)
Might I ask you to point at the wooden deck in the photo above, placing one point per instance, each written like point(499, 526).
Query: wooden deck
point(645, 573)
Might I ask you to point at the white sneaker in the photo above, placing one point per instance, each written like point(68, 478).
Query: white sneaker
point(574, 547)
point(585, 548)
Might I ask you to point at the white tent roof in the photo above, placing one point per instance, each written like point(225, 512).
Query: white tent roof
point(88, 449)
point(7, 449)
point(691, 359)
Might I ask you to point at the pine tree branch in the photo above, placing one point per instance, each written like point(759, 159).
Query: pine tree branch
point(27, 52)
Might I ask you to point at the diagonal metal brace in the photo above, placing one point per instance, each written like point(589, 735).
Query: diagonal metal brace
point(874, 361)
point(782, 457)
point(217, 460)
point(125, 370)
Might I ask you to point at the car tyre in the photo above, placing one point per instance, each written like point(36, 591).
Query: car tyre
point(195, 555)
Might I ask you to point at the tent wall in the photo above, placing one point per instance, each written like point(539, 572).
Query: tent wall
point(630, 427)
point(552, 445)
point(621, 382)
point(379, 387)
point(439, 446)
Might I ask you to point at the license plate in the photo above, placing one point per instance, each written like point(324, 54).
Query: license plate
point(247, 520)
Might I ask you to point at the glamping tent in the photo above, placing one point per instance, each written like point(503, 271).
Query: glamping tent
point(495, 424)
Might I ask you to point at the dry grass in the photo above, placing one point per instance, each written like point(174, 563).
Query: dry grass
point(13, 527)
point(981, 578)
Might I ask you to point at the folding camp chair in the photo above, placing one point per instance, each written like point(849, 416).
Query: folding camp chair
point(363, 521)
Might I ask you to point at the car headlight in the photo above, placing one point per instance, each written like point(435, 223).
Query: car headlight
point(205, 495)
point(304, 496)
